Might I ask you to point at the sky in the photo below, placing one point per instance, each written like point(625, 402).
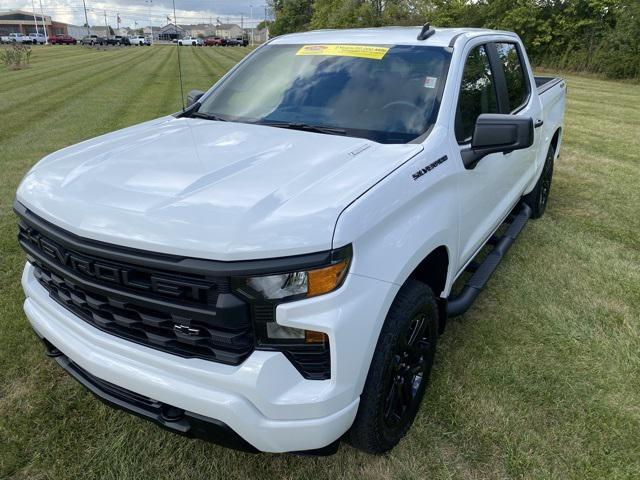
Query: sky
point(140, 12)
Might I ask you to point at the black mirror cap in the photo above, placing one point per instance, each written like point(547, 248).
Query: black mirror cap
point(193, 96)
point(495, 133)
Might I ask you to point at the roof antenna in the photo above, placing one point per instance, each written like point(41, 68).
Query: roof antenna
point(426, 32)
point(175, 20)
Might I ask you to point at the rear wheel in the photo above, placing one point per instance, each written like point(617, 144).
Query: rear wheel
point(538, 198)
point(399, 370)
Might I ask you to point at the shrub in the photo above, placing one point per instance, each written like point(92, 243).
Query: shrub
point(16, 57)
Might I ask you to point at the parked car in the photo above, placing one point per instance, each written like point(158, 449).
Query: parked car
point(38, 38)
point(215, 42)
point(237, 42)
point(16, 38)
point(93, 40)
point(190, 41)
point(139, 40)
point(272, 272)
point(118, 40)
point(62, 39)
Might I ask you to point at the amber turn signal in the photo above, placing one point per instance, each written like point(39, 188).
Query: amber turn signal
point(315, 337)
point(324, 280)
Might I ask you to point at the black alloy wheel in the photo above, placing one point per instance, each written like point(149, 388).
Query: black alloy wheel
point(545, 185)
point(538, 198)
point(411, 364)
point(399, 371)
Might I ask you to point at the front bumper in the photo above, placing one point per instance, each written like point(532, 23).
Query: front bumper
point(265, 400)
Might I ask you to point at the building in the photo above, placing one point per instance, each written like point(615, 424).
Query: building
point(198, 30)
point(21, 21)
point(101, 31)
point(76, 31)
point(228, 30)
point(151, 32)
point(259, 36)
point(169, 32)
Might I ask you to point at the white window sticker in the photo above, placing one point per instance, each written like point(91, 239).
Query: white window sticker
point(430, 82)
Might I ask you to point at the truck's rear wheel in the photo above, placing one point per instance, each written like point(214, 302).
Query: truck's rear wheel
point(538, 197)
point(399, 371)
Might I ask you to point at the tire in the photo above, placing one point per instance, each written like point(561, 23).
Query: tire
point(538, 198)
point(399, 371)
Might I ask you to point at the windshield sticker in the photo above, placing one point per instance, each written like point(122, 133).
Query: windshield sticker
point(359, 51)
point(430, 82)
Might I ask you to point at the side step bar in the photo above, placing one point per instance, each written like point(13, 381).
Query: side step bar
point(482, 272)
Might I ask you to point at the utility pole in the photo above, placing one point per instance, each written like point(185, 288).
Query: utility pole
point(149, 2)
point(86, 20)
point(33, 9)
point(106, 26)
point(266, 26)
point(251, 24)
point(46, 37)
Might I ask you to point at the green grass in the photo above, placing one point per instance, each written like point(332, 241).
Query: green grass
point(541, 379)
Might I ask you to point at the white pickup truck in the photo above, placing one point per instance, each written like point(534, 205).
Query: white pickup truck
point(193, 41)
point(16, 38)
point(37, 38)
point(271, 267)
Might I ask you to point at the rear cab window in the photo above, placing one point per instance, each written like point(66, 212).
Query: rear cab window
point(516, 81)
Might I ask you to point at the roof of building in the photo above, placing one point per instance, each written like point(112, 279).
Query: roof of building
point(21, 16)
point(384, 36)
point(226, 26)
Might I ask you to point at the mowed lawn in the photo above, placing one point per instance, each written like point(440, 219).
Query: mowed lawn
point(541, 379)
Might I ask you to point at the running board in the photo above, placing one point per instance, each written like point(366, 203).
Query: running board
point(482, 272)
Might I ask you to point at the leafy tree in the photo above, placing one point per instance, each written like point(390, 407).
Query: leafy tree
point(592, 35)
point(291, 15)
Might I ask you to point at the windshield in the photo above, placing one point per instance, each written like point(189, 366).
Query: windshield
point(388, 94)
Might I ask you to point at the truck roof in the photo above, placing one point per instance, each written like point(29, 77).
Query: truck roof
point(385, 36)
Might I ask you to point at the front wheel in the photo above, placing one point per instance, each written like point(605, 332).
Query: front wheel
point(538, 198)
point(399, 371)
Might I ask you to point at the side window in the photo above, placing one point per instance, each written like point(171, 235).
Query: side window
point(477, 93)
point(517, 89)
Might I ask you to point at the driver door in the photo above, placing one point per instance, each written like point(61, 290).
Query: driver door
point(490, 189)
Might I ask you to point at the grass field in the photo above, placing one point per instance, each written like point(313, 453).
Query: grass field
point(541, 379)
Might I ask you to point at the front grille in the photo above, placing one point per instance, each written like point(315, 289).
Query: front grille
point(193, 315)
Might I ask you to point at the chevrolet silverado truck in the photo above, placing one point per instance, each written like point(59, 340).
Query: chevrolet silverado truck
point(270, 268)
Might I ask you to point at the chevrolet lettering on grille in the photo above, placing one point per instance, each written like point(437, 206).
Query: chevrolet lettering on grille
point(126, 277)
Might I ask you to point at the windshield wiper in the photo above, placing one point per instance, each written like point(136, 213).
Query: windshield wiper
point(208, 116)
point(305, 127)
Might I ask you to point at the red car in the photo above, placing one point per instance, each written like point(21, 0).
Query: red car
point(62, 39)
point(215, 42)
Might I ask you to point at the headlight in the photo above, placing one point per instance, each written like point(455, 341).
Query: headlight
point(265, 292)
point(307, 283)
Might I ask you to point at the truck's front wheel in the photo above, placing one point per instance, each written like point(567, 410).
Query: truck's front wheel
point(399, 371)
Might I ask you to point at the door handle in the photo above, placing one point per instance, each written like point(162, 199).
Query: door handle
point(538, 123)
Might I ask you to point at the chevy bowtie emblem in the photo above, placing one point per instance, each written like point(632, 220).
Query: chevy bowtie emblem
point(186, 330)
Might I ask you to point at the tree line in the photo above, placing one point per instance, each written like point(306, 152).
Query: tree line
point(599, 36)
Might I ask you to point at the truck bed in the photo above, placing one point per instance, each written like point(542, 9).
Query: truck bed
point(545, 83)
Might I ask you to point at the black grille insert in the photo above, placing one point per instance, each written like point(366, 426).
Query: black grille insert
point(183, 314)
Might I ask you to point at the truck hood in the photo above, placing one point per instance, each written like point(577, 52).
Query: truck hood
point(207, 189)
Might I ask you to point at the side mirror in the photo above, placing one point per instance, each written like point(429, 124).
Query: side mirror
point(193, 96)
point(498, 133)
